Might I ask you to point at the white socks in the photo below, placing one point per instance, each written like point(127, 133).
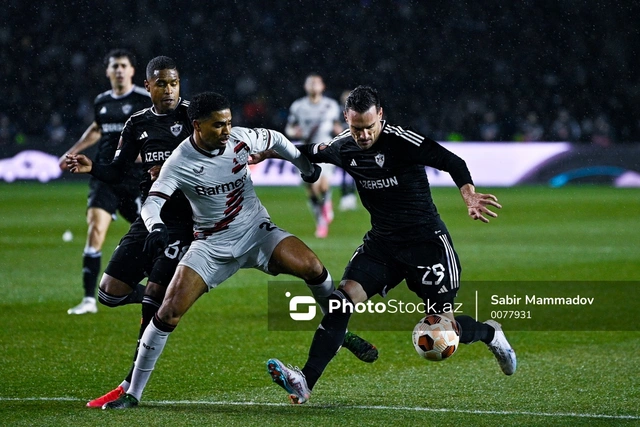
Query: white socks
point(151, 345)
point(321, 293)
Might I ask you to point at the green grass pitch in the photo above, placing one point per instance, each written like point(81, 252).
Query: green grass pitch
point(212, 371)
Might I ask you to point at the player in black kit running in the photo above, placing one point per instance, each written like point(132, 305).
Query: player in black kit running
point(407, 241)
point(111, 108)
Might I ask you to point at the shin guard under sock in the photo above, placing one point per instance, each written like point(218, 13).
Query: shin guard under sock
point(151, 346)
point(321, 287)
point(149, 309)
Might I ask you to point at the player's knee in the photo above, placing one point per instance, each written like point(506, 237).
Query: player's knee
point(169, 314)
point(110, 300)
point(97, 231)
point(354, 291)
point(113, 286)
point(312, 268)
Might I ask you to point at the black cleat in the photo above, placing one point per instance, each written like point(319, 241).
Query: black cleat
point(360, 347)
point(125, 401)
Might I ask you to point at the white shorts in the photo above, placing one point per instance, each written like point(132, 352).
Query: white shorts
point(327, 171)
point(216, 260)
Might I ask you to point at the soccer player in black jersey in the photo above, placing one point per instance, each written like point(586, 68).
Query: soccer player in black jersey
point(111, 110)
point(151, 134)
point(407, 241)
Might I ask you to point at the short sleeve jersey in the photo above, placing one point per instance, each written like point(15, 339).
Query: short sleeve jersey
point(153, 137)
point(391, 179)
point(218, 184)
point(315, 119)
point(111, 112)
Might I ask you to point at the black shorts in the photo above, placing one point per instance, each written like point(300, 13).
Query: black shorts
point(431, 268)
point(130, 264)
point(124, 198)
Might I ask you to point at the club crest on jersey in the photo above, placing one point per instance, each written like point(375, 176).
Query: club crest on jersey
point(126, 108)
point(103, 110)
point(379, 159)
point(242, 157)
point(176, 129)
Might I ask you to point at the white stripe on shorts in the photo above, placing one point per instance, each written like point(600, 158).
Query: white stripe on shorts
point(452, 264)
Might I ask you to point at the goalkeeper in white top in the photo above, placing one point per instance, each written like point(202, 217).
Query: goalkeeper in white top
point(232, 229)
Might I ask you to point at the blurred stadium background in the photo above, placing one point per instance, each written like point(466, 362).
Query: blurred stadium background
point(473, 71)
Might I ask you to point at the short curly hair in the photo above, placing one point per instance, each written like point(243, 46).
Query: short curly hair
point(205, 103)
point(160, 63)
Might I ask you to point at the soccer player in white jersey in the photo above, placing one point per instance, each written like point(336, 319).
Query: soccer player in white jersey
point(231, 227)
point(313, 119)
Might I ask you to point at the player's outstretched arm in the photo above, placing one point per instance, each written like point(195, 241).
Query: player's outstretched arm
point(290, 152)
point(477, 203)
point(256, 158)
point(88, 139)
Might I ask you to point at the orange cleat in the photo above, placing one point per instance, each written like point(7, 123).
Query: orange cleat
point(109, 397)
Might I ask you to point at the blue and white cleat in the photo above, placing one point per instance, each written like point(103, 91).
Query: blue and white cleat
point(291, 379)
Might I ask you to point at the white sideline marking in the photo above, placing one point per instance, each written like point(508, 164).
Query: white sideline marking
point(365, 407)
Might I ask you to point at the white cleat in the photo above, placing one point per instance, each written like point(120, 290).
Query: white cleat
point(501, 349)
point(88, 305)
point(291, 379)
point(348, 203)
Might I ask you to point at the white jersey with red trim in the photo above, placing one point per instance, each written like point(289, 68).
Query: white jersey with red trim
point(217, 184)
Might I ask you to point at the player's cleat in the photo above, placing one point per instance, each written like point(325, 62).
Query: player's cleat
point(109, 397)
point(501, 349)
point(291, 379)
point(88, 305)
point(348, 203)
point(125, 401)
point(360, 347)
point(322, 231)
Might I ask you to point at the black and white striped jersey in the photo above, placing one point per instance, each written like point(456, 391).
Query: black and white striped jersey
point(391, 179)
